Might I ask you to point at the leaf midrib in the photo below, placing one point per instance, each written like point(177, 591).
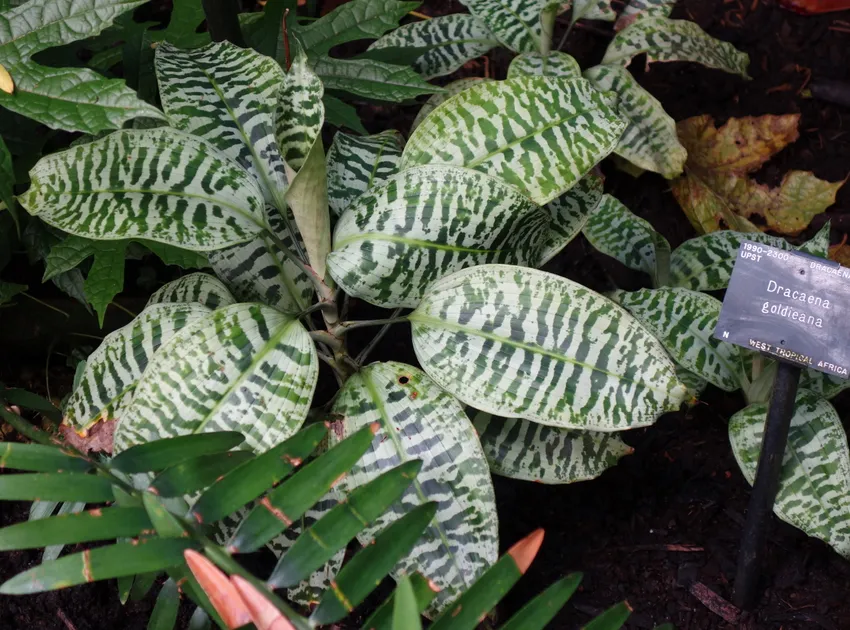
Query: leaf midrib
point(413, 242)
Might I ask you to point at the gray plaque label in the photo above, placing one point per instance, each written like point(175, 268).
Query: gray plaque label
point(790, 305)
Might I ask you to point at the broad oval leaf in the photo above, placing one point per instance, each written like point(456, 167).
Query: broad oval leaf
point(592, 10)
point(684, 321)
point(530, 451)
point(357, 163)
point(540, 134)
point(419, 420)
point(300, 112)
point(569, 213)
point(639, 9)
point(450, 41)
point(427, 222)
point(516, 23)
point(824, 385)
point(663, 39)
point(113, 370)
point(650, 140)
point(194, 287)
point(518, 342)
point(372, 79)
point(553, 64)
point(245, 367)
point(455, 87)
point(814, 483)
point(228, 96)
point(158, 184)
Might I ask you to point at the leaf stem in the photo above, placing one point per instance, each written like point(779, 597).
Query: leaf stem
point(566, 35)
point(45, 304)
point(364, 354)
point(344, 327)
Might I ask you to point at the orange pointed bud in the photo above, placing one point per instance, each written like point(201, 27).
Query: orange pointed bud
point(264, 614)
point(223, 595)
point(524, 551)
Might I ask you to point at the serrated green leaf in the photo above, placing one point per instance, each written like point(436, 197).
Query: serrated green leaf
point(115, 367)
point(553, 64)
point(201, 288)
point(300, 112)
point(663, 39)
point(455, 87)
point(537, 613)
point(639, 9)
point(197, 473)
point(186, 17)
point(99, 524)
point(516, 23)
point(650, 140)
point(167, 187)
point(67, 254)
point(705, 263)
point(423, 592)
point(396, 239)
point(102, 563)
point(569, 213)
point(245, 367)
point(228, 96)
point(530, 451)
point(356, 164)
point(55, 487)
point(578, 361)
point(814, 483)
point(105, 278)
point(38, 239)
point(162, 453)
point(592, 10)
point(540, 134)
point(74, 99)
point(342, 114)
point(8, 290)
point(420, 421)
point(40, 458)
point(359, 19)
point(450, 41)
point(183, 258)
point(164, 615)
point(684, 321)
point(372, 79)
point(617, 232)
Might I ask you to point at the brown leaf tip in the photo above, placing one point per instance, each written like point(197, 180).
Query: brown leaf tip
point(526, 549)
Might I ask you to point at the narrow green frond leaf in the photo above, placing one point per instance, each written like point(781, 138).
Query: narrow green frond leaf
point(55, 487)
point(163, 521)
point(424, 593)
point(164, 615)
point(40, 458)
point(405, 613)
point(537, 613)
point(612, 619)
point(197, 473)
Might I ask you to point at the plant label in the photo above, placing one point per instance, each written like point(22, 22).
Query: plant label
point(790, 305)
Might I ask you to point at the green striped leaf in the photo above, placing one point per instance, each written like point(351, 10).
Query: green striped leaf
point(228, 96)
point(245, 367)
point(650, 140)
point(818, 245)
point(663, 39)
point(40, 458)
point(530, 451)
point(55, 487)
point(194, 287)
point(418, 420)
point(113, 370)
point(554, 64)
point(694, 383)
point(814, 484)
point(197, 473)
point(257, 271)
point(540, 134)
point(537, 613)
point(99, 524)
point(617, 232)
point(160, 454)
point(455, 87)
point(426, 222)
point(372, 79)
point(102, 563)
point(578, 360)
point(592, 10)
point(639, 9)
point(423, 592)
point(357, 163)
point(824, 385)
point(569, 213)
point(158, 184)
point(300, 112)
point(516, 23)
point(450, 41)
point(704, 263)
point(684, 321)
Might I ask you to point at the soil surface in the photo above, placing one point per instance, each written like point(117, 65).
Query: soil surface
point(662, 528)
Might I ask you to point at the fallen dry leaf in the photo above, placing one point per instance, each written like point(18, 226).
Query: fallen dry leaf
point(841, 253)
point(716, 192)
point(99, 437)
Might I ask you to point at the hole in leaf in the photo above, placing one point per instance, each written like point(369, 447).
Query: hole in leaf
point(403, 380)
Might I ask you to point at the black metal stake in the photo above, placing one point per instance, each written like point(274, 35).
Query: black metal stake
point(779, 413)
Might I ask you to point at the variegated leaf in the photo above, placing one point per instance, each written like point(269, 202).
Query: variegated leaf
point(418, 420)
point(158, 184)
point(818, 245)
point(650, 140)
point(530, 451)
point(228, 96)
point(554, 64)
point(372, 79)
point(684, 321)
point(705, 263)
point(257, 271)
point(616, 231)
point(540, 134)
point(694, 383)
point(568, 214)
point(639, 9)
point(246, 368)
point(663, 39)
point(115, 367)
point(814, 484)
point(824, 385)
point(300, 112)
point(455, 87)
point(592, 10)
point(357, 163)
point(516, 23)
point(450, 40)
point(195, 287)
point(518, 342)
point(427, 222)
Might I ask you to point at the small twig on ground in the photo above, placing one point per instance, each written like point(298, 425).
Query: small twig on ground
point(661, 547)
point(716, 604)
point(65, 619)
